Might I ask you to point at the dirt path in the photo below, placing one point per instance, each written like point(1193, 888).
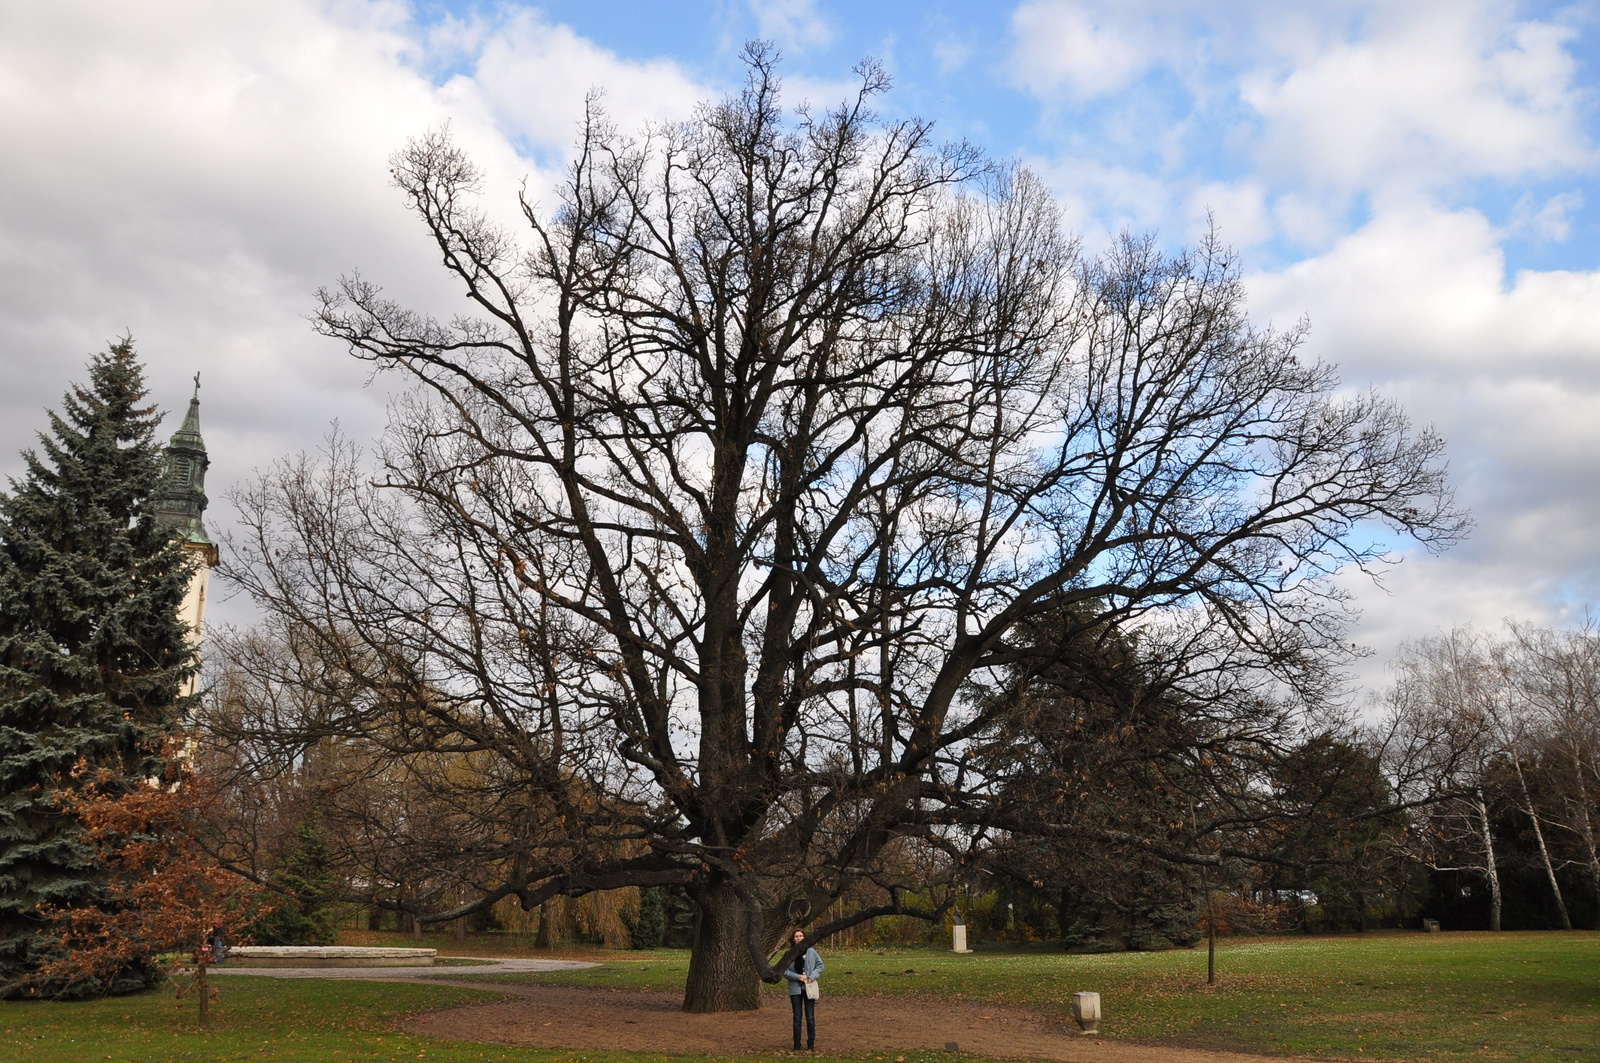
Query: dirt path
point(563, 1017)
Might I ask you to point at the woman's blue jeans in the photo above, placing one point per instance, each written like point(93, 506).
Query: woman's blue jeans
point(799, 1001)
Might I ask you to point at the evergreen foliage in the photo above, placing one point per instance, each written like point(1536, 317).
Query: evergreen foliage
point(651, 925)
point(308, 876)
point(1344, 829)
point(93, 654)
point(1096, 741)
point(1136, 904)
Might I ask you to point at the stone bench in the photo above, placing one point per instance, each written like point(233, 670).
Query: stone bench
point(327, 956)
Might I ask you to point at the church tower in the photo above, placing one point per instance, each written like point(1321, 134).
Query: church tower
point(182, 504)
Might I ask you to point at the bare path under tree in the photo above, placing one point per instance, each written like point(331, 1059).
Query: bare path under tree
point(565, 1017)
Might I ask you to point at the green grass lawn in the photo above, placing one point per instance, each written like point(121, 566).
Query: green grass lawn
point(255, 1018)
point(1522, 997)
point(277, 1020)
point(1526, 996)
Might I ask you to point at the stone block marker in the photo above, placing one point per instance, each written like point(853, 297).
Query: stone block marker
point(328, 956)
point(1430, 926)
point(1086, 1009)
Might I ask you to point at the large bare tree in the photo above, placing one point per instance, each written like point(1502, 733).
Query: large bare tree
point(742, 464)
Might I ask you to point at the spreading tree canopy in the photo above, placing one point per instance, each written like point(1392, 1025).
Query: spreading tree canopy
point(709, 513)
point(92, 655)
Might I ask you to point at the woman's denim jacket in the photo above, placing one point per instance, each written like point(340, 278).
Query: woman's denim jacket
point(813, 968)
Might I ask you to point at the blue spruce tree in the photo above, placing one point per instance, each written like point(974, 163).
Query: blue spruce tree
point(93, 654)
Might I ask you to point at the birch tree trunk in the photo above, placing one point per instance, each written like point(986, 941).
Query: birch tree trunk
point(1489, 867)
point(1586, 830)
point(1544, 851)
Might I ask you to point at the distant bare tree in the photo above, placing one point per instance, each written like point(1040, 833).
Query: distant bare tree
point(1441, 740)
point(411, 824)
point(1558, 674)
point(1518, 732)
point(729, 486)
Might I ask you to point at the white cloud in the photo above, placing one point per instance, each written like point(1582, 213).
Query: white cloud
point(951, 55)
point(1238, 209)
point(1428, 94)
point(1305, 221)
point(1063, 46)
point(1550, 220)
point(1428, 596)
point(1097, 200)
point(535, 76)
point(191, 172)
point(1323, 109)
point(1423, 290)
point(1418, 303)
point(793, 24)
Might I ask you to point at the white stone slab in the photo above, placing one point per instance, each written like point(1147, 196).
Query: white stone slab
point(407, 974)
point(328, 956)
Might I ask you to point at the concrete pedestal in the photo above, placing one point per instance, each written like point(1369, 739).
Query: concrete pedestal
point(1086, 1009)
point(958, 935)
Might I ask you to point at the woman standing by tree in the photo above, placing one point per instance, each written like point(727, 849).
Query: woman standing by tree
point(802, 976)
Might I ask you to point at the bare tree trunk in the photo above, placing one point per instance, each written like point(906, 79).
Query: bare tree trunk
point(722, 976)
point(1211, 942)
point(1489, 867)
point(549, 915)
point(1211, 928)
point(1544, 852)
point(202, 986)
point(1586, 832)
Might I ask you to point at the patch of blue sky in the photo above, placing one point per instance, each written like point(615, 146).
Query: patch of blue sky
point(1148, 146)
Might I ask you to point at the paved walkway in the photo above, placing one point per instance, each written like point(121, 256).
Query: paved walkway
point(410, 974)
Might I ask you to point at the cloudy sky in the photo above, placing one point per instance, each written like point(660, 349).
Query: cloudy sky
point(1420, 179)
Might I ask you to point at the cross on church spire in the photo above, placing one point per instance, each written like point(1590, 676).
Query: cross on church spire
point(182, 502)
